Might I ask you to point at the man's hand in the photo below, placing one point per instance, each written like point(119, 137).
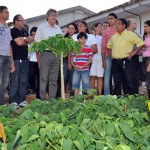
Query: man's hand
point(29, 39)
point(131, 54)
point(12, 68)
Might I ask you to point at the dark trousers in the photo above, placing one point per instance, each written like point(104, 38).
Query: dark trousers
point(146, 61)
point(136, 72)
point(123, 73)
point(4, 75)
point(34, 77)
point(19, 81)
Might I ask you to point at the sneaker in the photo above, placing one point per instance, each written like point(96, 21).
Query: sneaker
point(24, 103)
point(15, 105)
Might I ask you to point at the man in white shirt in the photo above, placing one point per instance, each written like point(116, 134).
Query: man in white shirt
point(49, 63)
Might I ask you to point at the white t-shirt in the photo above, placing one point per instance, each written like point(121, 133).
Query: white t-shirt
point(32, 56)
point(90, 41)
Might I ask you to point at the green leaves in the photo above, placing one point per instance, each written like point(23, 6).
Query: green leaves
point(77, 124)
point(67, 144)
point(58, 45)
point(126, 129)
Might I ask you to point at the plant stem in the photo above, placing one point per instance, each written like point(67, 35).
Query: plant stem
point(62, 77)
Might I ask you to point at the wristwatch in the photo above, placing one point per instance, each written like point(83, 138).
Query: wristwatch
point(25, 39)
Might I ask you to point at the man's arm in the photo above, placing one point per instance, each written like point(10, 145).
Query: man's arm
point(22, 41)
point(139, 43)
point(12, 69)
point(104, 48)
point(110, 52)
point(134, 52)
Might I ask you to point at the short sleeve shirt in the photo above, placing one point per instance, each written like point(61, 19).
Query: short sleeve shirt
point(19, 52)
point(122, 44)
point(5, 38)
point(83, 58)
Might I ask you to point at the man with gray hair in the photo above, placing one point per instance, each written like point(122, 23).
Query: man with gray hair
point(49, 63)
point(132, 26)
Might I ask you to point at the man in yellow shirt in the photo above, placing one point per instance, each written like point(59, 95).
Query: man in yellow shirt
point(120, 48)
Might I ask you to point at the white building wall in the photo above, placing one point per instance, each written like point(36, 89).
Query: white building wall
point(63, 19)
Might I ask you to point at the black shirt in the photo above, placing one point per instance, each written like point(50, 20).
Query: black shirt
point(19, 52)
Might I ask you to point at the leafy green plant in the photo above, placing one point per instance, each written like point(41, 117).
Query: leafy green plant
point(77, 124)
point(59, 46)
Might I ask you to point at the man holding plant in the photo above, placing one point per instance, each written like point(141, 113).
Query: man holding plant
point(49, 63)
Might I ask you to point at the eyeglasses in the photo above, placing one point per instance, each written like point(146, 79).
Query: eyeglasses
point(21, 20)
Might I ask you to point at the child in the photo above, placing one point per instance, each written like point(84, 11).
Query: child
point(81, 64)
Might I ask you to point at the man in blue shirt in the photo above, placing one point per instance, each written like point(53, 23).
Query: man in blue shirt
point(6, 58)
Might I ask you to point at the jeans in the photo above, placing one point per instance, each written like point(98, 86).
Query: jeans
point(107, 75)
point(4, 75)
point(19, 81)
point(83, 76)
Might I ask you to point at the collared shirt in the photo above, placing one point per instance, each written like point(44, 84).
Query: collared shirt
point(122, 44)
point(45, 31)
point(5, 38)
point(107, 34)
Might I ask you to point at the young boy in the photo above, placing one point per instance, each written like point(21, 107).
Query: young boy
point(81, 64)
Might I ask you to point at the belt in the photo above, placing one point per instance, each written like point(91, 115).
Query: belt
point(121, 58)
point(47, 51)
point(21, 60)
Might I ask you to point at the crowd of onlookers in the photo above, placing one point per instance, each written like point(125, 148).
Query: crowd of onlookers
point(114, 59)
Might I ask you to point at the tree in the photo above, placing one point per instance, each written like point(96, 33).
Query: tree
point(59, 46)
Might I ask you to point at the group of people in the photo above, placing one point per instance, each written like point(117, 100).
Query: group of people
point(110, 50)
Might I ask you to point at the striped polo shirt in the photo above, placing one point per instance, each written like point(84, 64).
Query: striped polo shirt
point(83, 58)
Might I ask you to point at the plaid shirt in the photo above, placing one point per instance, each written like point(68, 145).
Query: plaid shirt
point(107, 34)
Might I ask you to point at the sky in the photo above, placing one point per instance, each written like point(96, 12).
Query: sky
point(32, 8)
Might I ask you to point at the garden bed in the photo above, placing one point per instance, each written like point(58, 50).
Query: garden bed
point(105, 123)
